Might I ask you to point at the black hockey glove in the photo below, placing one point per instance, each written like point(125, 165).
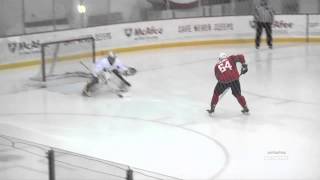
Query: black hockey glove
point(244, 68)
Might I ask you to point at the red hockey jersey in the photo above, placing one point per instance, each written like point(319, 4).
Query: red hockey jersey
point(226, 69)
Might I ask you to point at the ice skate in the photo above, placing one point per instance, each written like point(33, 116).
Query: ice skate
point(210, 111)
point(85, 92)
point(245, 110)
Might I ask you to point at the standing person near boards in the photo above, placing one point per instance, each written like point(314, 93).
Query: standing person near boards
point(263, 17)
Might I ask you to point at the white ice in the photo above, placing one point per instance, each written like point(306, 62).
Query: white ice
point(162, 126)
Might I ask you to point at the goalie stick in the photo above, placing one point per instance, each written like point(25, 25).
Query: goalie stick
point(121, 78)
point(89, 70)
point(114, 71)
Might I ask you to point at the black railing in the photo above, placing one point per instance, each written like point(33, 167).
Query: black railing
point(57, 160)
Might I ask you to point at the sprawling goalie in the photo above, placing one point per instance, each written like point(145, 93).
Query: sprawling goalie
point(110, 71)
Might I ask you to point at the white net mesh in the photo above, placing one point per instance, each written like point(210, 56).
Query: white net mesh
point(61, 59)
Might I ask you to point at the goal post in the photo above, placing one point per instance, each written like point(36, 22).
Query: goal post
point(54, 53)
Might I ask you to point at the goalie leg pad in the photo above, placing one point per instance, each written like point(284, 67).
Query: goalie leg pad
point(88, 88)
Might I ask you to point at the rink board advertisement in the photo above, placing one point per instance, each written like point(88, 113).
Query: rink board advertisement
point(27, 47)
point(287, 26)
point(314, 26)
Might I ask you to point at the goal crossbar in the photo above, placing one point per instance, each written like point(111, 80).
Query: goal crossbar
point(67, 57)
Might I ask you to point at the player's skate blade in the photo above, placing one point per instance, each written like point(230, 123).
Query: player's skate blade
point(210, 111)
point(86, 93)
point(245, 110)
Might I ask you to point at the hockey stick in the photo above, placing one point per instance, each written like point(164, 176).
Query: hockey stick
point(114, 71)
point(121, 78)
point(225, 91)
point(112, 90)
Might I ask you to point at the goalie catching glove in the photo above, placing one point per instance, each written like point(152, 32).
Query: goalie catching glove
point(244, 68)
point(130, 72)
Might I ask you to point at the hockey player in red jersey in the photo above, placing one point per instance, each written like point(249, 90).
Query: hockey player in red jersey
point(227, 75)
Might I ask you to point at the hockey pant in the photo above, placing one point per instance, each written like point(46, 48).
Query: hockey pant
point(236, 92)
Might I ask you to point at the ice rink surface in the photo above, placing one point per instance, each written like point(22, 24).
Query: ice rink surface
point(162, 125)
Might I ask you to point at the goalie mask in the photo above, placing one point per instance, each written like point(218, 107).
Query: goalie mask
point(111, 57)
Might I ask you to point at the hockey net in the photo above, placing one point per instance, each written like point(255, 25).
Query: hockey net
point(61, 59)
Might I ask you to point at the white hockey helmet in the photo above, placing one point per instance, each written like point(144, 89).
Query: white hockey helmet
point(111, 54)
point(222, 56)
